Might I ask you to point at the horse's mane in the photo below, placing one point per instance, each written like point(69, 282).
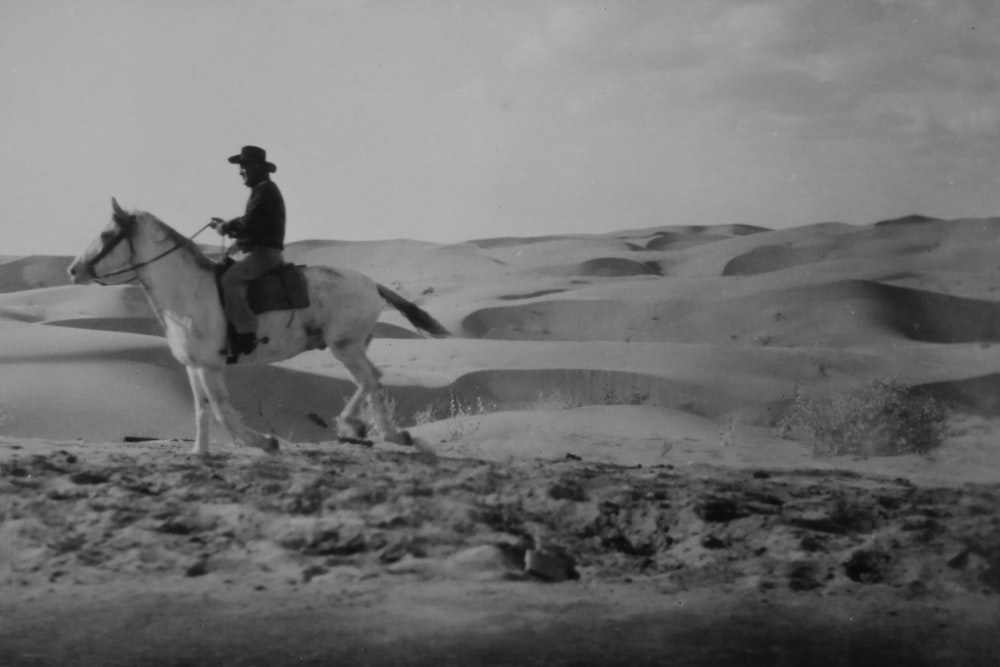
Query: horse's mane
point(179, 239)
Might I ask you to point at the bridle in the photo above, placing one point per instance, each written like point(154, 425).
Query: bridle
point(125, 234)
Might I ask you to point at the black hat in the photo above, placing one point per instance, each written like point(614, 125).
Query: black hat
point(253, 155)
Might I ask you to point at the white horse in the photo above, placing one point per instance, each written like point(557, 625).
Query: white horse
point(180, 283)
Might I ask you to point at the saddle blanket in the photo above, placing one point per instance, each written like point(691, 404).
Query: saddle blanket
point(282, 288)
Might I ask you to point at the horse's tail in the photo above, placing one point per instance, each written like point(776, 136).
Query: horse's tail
point(416, 315)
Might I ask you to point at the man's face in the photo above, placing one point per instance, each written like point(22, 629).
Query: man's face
point(251, 173)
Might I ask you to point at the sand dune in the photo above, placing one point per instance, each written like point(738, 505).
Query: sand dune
point(148, 326)
point(757, 306)
point(58, 303)
point(907, 220)
point(609, 267)
point(32, 272)
point(852, 312)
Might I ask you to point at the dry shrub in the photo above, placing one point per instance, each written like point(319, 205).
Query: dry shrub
point(461, 420)
point(878, 418)
point(458, 414)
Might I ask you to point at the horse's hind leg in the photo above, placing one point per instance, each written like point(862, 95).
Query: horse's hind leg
point(353, 356)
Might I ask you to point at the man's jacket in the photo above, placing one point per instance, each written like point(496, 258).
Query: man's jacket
point(263, 223)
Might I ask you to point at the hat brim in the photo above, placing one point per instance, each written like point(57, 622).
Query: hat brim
point(238, 159)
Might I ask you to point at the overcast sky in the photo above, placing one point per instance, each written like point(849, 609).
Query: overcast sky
point(451, 120)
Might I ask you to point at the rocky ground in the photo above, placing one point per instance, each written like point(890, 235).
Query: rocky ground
point(522, 562)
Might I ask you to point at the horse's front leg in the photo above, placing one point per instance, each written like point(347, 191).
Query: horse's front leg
point(214, 382)
point(202, 412)
point(350, 425)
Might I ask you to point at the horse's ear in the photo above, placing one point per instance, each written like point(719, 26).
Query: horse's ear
point(119, 215)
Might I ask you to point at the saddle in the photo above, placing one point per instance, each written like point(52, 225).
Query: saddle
point(281, 288)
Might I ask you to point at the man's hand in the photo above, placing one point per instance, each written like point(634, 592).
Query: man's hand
point(219, 225)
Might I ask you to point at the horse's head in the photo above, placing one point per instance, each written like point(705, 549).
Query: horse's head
point(111, 253)
point(130, 243)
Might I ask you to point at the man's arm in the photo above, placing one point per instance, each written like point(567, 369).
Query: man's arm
point(228, 227)
point(263, 209)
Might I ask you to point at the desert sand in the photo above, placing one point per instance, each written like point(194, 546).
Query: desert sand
point(610, 486)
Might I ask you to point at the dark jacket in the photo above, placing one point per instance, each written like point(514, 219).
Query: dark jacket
point(263, 224)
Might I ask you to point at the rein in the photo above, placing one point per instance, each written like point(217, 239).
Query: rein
point(123, 235)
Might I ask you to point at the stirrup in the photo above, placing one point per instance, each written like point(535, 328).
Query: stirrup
point(241, 344)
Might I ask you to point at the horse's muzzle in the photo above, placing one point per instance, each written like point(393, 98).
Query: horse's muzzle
point(80, 272)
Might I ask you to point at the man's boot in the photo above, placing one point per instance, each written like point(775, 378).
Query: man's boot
point(241, 343)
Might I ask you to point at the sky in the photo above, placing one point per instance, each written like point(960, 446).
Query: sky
point(453, 120)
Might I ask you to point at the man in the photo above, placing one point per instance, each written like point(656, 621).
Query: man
point(259, 238)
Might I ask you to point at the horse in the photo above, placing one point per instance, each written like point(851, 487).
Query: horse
point(180, 284)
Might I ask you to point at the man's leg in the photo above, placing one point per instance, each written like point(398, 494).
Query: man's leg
point(235, 282)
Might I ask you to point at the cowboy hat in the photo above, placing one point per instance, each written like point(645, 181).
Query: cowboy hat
point(253, 155)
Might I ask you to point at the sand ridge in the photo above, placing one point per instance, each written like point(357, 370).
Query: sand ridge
point(804, 309)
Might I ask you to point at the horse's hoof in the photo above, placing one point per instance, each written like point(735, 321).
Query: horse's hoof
point(424, 451)
point(352, 429)
point(355, 441)
point(271, 446)
point(402, 438)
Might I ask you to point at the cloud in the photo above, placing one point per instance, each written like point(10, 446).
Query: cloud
point(874, 66)
point(715, 86)
point(508, 113)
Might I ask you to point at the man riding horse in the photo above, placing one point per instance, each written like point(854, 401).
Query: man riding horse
point(259, 238)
